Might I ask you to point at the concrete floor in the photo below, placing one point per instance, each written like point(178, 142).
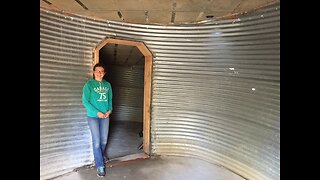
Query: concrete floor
point(126, 162)
point(123, 138)
point(157, 168)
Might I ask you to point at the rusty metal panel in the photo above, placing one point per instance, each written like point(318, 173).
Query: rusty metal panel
point(215, 90)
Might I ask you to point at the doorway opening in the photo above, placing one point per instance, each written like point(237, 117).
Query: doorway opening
point(129, 70)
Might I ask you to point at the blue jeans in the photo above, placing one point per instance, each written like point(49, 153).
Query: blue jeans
point(99, 128)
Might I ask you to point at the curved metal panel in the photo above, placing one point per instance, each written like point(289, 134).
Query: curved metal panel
point(215, 90)
point(64, 67)
point(127, 87)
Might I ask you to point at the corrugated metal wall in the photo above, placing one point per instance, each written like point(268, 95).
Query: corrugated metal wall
point(215, 90)
point(65, 61)
point(127, 86)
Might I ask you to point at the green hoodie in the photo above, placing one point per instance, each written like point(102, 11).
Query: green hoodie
point(97, 97)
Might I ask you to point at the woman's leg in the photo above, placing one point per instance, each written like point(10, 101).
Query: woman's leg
point(94, 125)
point(104, 132)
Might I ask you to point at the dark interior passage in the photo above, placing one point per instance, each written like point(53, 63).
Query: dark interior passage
point(125, 72)
point(124, 139)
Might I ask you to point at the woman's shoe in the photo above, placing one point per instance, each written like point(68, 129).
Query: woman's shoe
point(101, 171)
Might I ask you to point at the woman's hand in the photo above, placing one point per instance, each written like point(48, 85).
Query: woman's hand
point(100, 115)
point(106, 115)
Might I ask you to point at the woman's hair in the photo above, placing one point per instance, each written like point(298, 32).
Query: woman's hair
point(98, 65)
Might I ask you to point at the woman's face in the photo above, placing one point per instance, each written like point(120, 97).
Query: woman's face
point(99, 73)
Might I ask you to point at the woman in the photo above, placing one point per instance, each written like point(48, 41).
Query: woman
point(97, 99)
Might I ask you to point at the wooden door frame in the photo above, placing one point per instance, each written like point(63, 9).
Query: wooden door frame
point(147, 82)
